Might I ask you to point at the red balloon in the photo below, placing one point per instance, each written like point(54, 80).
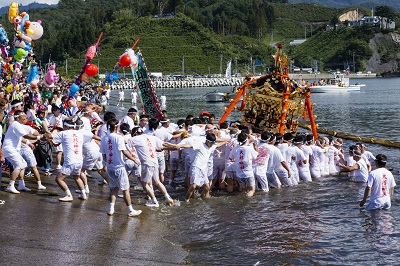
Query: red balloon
point(125, 60)
point(91, 70)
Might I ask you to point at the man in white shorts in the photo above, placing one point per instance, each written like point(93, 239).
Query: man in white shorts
point(114, 149)
point(243, 155)
point(72, 141)
point(380, 185)
point(11, 148)
point(134, 97)
point(27, 153)
point(198, 169)
point(146, 147)
point(121, 98)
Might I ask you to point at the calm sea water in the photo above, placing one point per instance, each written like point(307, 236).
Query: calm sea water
point(314, 223)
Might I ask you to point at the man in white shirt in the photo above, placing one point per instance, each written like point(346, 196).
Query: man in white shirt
point(12, 145)
point(381, 186)
point(114, 149)
point(198, 169)
point(163, 101)
point(146, 147)
point(130, 118)
point(134, 97)
point(121, 98)
point(72, 141)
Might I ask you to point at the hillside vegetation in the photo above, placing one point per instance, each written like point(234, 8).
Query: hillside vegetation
point(197, 36)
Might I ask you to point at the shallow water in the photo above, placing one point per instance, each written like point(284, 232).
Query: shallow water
point(313, 223)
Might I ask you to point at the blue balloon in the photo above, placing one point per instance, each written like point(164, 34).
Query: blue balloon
point(74, 88)
point(114, 76)
point(72, 94)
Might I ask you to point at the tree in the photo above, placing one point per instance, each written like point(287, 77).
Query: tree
point(385, 11)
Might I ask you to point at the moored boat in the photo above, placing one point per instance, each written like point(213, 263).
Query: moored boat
point(216, 96)
point(338, 84)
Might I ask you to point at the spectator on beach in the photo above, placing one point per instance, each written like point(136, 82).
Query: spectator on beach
point(121, 98)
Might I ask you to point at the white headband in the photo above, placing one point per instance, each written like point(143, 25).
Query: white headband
point(16, 104)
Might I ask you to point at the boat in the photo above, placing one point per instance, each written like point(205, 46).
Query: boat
point(338, 84)
point(216, 96)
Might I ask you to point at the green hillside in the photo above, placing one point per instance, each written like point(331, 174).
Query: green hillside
point(197, 36)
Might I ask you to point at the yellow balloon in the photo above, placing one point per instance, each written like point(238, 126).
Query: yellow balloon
point(29, 31)
point(9, 88)
point(12, 11)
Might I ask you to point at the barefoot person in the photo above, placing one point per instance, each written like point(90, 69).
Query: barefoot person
point(380, 185)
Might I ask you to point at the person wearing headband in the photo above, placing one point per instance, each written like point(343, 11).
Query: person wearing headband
point(143, 122)
point(366, 155)
point(92, 160)
point(380, 186)
point(114, 150)
point(302, 160)
point(16, 132)
point(15, 105)
point(164, 135)
point(71, 139)
point(130, 118)
point(290, 157)
point(243, 156)
point(198, 172)
point(360, 168)
point(146, 147)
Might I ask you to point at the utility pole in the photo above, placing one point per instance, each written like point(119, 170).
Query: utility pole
point(66, 66)
point(220, 65)
point(183, 65)
point(236, 70)
point(354, 63)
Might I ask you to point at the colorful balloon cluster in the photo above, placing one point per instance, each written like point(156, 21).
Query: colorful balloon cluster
point(26, 31)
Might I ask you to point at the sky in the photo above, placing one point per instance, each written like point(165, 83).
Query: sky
point(26, 2)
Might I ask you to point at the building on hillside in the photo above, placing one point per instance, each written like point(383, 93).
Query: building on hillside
point(371, 21)
point(297, 42)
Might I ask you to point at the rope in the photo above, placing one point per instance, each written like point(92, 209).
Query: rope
point(383, 142)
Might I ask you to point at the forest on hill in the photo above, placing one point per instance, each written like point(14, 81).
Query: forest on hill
point(184, 36)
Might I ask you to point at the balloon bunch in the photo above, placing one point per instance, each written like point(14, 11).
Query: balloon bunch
point(25, 32)
point(11, 63)
point(88, 69)
point(127, 59)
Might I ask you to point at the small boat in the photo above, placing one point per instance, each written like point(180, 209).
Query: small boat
point(338, 84)
point(216, 96)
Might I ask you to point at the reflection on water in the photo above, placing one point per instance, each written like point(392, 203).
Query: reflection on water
point(313, 223)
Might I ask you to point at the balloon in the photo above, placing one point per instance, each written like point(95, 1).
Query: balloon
point(24, 18)
point(125, 60)
point(3, 36)
point(25, 38)
point(91, 70)
point(12, 11)
point(19, 43)
point(9, 88)
point(29, 31)
point(51, 75)
point(33, 74)
point(74, 88)
point(37, 29)
point(20, 55)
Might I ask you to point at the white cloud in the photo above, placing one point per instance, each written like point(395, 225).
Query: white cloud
point(26, 2)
